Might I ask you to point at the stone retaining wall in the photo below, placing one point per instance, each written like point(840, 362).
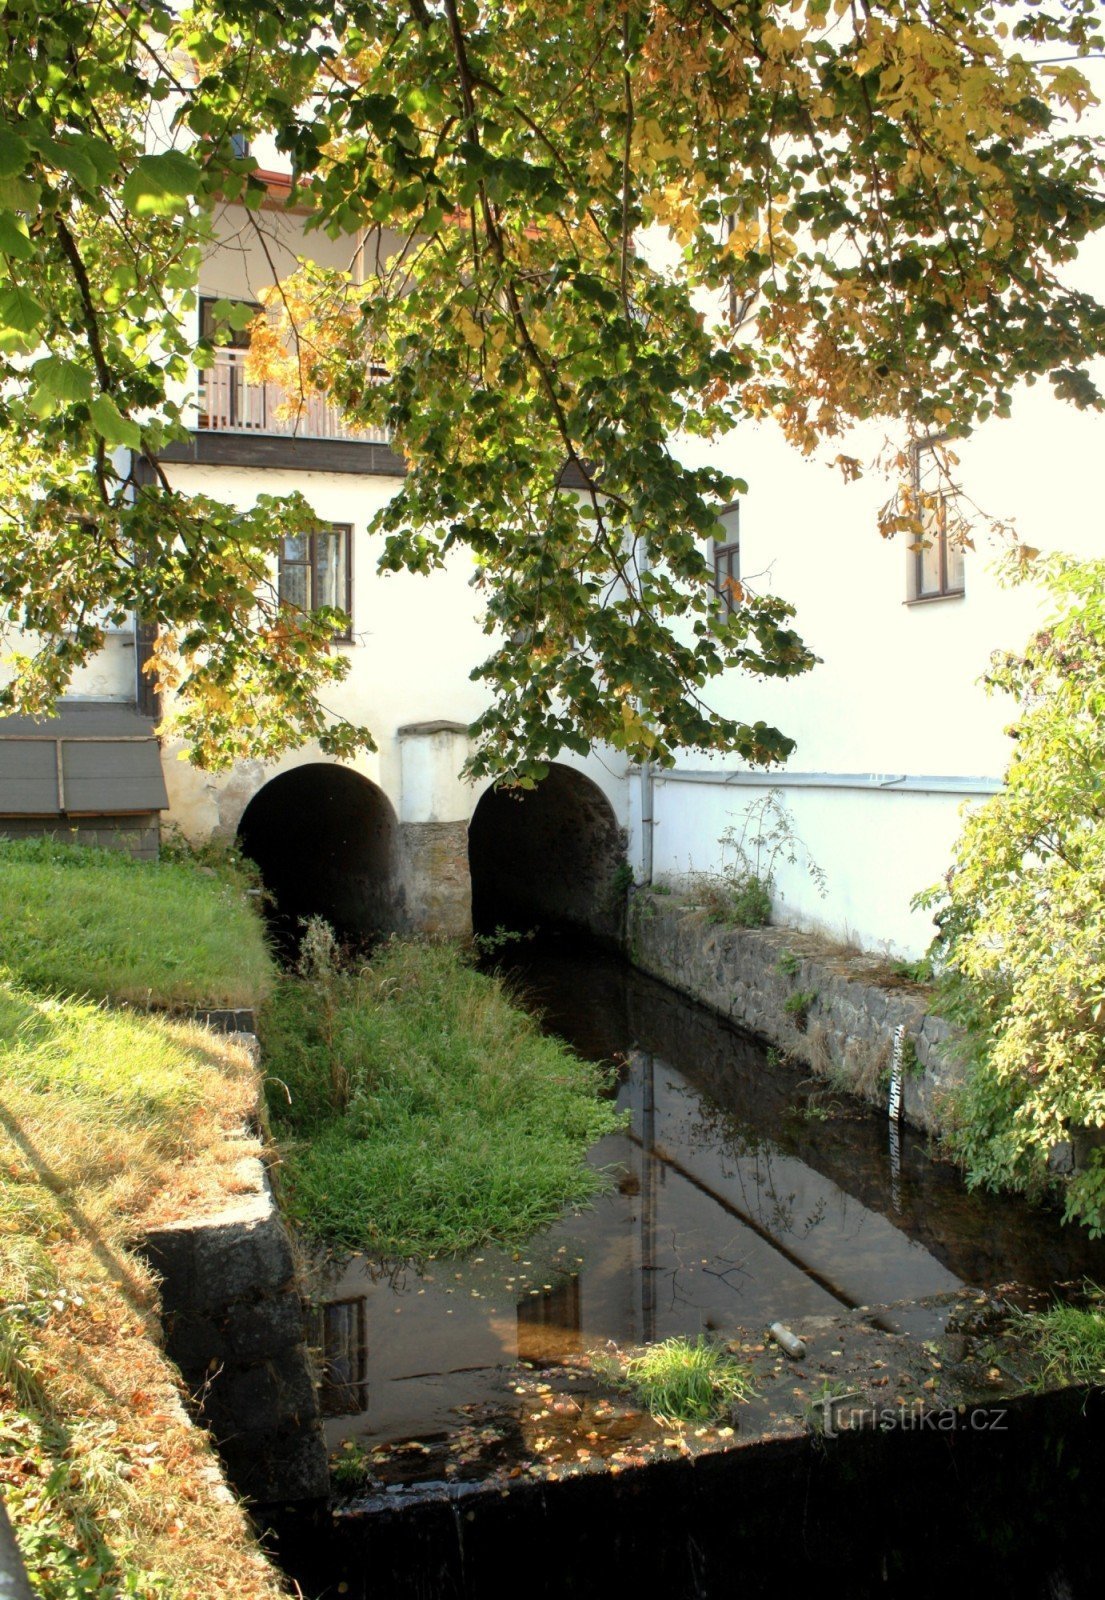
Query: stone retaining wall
point(845, 1034)
point(136, 835)
point(234, 1324)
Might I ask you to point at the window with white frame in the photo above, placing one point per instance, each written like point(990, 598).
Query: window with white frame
point(316, 569)
point(936, 560)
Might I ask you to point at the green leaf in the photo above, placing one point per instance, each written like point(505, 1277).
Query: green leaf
point(236, 314)
point(62, 380)
point(14, 153)
point(111, 425)
point(69, 157)
point(18, 194)
point(20, 315)
point(162, 184)
point(14, 238)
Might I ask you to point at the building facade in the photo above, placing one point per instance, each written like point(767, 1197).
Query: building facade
point(894, 732)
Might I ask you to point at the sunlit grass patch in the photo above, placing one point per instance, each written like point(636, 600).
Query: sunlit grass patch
point(109, 1122)
point(423, 1112)
point(93, 922)
point(680, 1379)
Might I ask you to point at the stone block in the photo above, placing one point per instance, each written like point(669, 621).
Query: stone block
point(267, 1328)
point(241, 1260)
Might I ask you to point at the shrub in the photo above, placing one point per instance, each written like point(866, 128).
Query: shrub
point(742, 893)
point(1021, 915)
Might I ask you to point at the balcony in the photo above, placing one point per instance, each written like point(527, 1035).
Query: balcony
point(230, 404)
point(242, 424)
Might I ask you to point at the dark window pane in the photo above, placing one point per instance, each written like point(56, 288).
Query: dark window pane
point(228, 337)
point(726, 572)
point(938, 565)
point(295, 586)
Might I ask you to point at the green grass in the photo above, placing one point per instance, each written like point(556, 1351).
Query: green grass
point(108, 1120)
point(112, 1121)
point(680, 1379)
point(423, 1112)
point(1070, 1341)
point(90, 922)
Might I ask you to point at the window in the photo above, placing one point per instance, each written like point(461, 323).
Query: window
point(229, 338)
point(936, 565)
point(316, 569)
point(727, 562)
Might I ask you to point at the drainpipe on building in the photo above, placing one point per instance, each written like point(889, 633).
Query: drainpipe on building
point(647, 822)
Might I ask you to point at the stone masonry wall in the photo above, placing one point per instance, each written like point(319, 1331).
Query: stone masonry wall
point(847, 1032)
point(234, 1324)
point(138, 835)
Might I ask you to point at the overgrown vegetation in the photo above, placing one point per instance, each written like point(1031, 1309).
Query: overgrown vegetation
point(680, 1379)
point(1021, 946)
point(797, 1006)
point(1070, 1341)
point(77, 921)
point(109, 1121)
point(423, 1112)
point(742, 893)
point(920, 972)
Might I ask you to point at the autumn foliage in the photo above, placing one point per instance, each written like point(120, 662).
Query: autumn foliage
point(577, 231)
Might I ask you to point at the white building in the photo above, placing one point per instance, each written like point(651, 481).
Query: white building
point(894, 732)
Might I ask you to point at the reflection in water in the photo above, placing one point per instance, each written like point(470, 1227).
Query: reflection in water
point(550, 1326)
point(340, 1335)
point(730, 1208)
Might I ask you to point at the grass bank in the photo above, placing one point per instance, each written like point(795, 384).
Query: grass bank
point(110, 1121)
point(91, 922)
point(1069, 1341)
point(423, 1112)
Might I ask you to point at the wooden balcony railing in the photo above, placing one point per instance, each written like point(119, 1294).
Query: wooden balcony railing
point(228, 404)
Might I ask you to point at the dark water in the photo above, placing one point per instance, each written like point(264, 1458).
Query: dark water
point(746, 1193)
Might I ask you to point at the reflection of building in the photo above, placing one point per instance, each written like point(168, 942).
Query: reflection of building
point(341, 1335)
point(550, 1324)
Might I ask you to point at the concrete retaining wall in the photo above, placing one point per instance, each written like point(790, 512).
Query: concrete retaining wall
point(845, 1034)
point(234, 1324)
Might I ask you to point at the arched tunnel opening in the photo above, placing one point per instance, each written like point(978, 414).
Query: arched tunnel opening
point(324, 839)
point(549, 857)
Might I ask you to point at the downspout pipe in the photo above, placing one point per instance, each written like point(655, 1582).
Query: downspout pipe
point(647, 823)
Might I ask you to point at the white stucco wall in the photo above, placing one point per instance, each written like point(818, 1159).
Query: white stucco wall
point(898, 690)
point(415, 642)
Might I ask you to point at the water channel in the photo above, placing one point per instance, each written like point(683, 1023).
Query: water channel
point(742, 1193)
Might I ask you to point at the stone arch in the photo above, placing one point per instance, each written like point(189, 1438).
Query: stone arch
point(553, 855)
point(326, 842)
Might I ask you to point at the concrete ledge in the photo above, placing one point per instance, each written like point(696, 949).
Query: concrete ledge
point(846, 1034)
point(234, 1325)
